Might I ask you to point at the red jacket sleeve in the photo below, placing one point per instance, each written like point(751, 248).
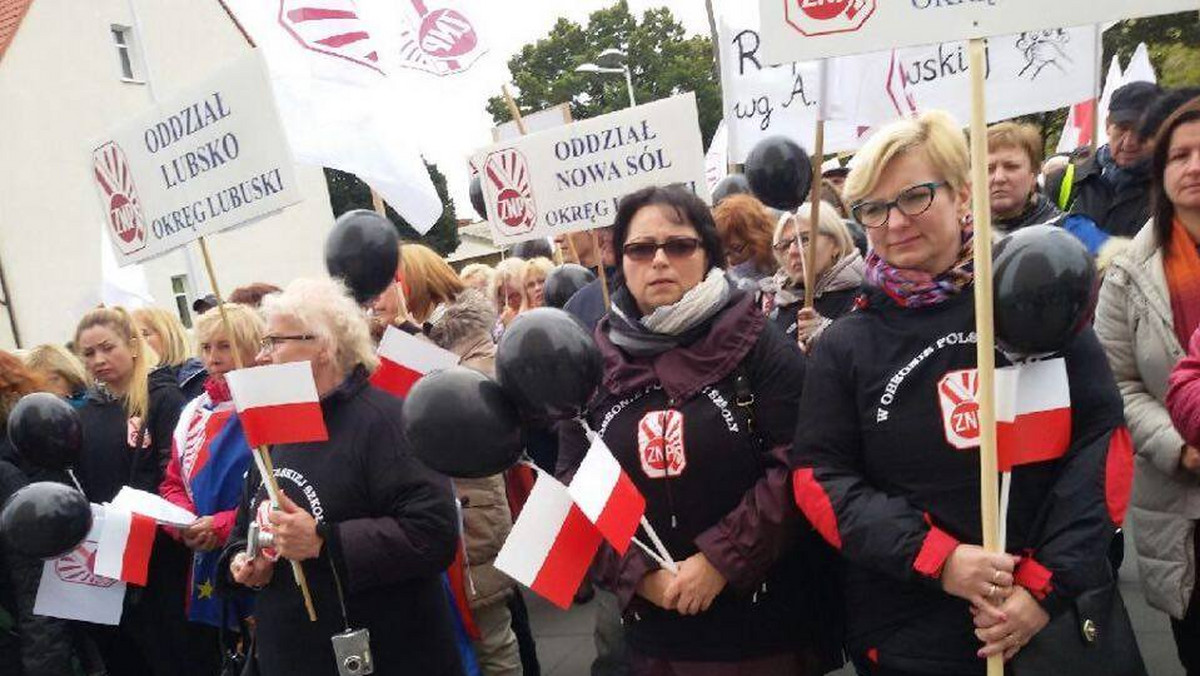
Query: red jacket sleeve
point(1183, 394)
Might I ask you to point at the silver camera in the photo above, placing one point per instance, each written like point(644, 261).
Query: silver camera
point(258, 540)
point(352, 649)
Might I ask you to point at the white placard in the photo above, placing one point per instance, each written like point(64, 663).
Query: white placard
point(207, 159)
point(1027, 73)
point(803, 30)
point(71, 590)
point(571, 178)
point(542, 120)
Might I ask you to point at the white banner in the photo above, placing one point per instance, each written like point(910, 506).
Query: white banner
point(540, 121)
point(207, 159)
point(571, 178)
point(1026, 73)
point(716, 160)
point(71, 590)
point(803, 30)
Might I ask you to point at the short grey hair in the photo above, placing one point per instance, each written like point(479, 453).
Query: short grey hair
point(325, 308)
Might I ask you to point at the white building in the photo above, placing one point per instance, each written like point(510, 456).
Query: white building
point(70, 71)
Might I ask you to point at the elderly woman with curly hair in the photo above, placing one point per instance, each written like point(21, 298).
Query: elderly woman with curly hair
point(372, 528)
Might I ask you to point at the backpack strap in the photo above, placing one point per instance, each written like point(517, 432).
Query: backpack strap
point(744, 399)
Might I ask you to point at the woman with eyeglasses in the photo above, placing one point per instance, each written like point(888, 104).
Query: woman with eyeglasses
point(698, 405)
point(886, 462)
point(371, 526)
point(838, 273)
point(745, 228)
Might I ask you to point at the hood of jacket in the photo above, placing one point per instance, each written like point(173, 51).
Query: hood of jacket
point(687, 369)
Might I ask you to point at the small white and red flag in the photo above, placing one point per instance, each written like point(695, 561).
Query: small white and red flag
point(404, 359)
point(551, 545)
point(278, 404)
point(1033, 413)
point(607, 496)
point(123, 551)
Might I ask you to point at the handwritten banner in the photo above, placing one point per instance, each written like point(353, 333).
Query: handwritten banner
point(571, 177)
point(207, 159)
point(803, 30)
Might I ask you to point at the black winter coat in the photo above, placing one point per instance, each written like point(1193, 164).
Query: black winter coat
point(1041, 210)
point(1118, 211)
point(877, 474)
point(390, 528)
point(830, 305)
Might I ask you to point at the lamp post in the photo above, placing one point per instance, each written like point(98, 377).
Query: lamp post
point(612, 61)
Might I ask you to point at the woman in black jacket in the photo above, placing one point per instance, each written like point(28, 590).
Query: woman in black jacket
point(698, 405)
point(373, 528)
point(128, 420)
point(886, 465)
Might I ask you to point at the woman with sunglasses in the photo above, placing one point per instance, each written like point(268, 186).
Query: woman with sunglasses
point(838, 273)
point(886, 464)
point(371, 526)
point(698, 405)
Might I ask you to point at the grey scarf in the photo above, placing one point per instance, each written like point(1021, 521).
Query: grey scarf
point(670, 325)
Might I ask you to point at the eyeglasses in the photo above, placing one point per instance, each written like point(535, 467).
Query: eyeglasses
point(269, 343)
point(737, 248)
point(676, 247)
point(911, 202)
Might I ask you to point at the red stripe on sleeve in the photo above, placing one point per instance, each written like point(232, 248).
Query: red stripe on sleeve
point(812, 499)
point(1118, 474)
point(1035, 577)
point(935, 549)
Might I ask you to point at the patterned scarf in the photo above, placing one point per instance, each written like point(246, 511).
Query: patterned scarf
point(916, 288)
point(1182, 268)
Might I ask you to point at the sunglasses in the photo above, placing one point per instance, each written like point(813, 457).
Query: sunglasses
point(676, 247)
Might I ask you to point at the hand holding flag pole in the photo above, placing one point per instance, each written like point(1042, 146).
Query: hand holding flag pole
point(262, 459)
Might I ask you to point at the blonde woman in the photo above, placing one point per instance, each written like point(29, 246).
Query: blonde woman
point(128, 420)
point(210, 455)
point(477, 276)
point(535, 275)
point(370, 525)
point(62, 370)
point(507, 293)
point(163, 332)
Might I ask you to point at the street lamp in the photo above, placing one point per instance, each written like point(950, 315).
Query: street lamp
point(611, 61)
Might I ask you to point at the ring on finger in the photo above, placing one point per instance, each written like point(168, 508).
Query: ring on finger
point(992, 589)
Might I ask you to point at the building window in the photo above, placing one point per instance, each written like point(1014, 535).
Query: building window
point(123, 40)
point(179, 286)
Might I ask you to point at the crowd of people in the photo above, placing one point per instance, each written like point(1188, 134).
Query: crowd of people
point(794, 456)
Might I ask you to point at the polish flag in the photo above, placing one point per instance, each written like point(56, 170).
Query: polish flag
point(1033, 413)
point(551, 545)
point(278, 404)
point(607, 496)
point(404, 359)
point(123, 551)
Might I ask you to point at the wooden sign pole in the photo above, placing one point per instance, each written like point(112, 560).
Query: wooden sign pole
point(261, 456)
point(984, 326)
point(814, 214)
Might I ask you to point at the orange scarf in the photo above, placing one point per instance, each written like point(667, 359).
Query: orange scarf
point(1182, 267)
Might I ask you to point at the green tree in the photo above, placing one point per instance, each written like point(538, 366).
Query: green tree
point(347, 192)
point(663, 59)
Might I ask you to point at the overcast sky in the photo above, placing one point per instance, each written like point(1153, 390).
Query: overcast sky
point(463, 123)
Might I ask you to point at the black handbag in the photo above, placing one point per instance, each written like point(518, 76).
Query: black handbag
point(236, 660)
point(1092, 637)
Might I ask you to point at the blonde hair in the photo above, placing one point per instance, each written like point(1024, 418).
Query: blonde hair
point(116, 319)
point(828, 223)
point(429, 280)
point(1023, 137)
point(57, 359)
point(538, 266)
point(246, 325)
point(475, 271)
point(935, 134)
point(169, 329)
point(508, 271)
point(325, 309)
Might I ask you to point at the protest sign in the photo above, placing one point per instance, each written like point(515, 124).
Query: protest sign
point(1027, 73)
point(205, 160)
point(542, 120)
point(571, 178)
point(70, 589)
point(801, 30)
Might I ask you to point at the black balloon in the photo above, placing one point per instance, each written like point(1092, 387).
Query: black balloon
point(548, 364)
point(363, 251)
point(477, 196)
point(564, 281)
point(460, 423)
point(46, 431)
point(1045, 289)
point(45, 520)
point(779, 172)
point(733, 184)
